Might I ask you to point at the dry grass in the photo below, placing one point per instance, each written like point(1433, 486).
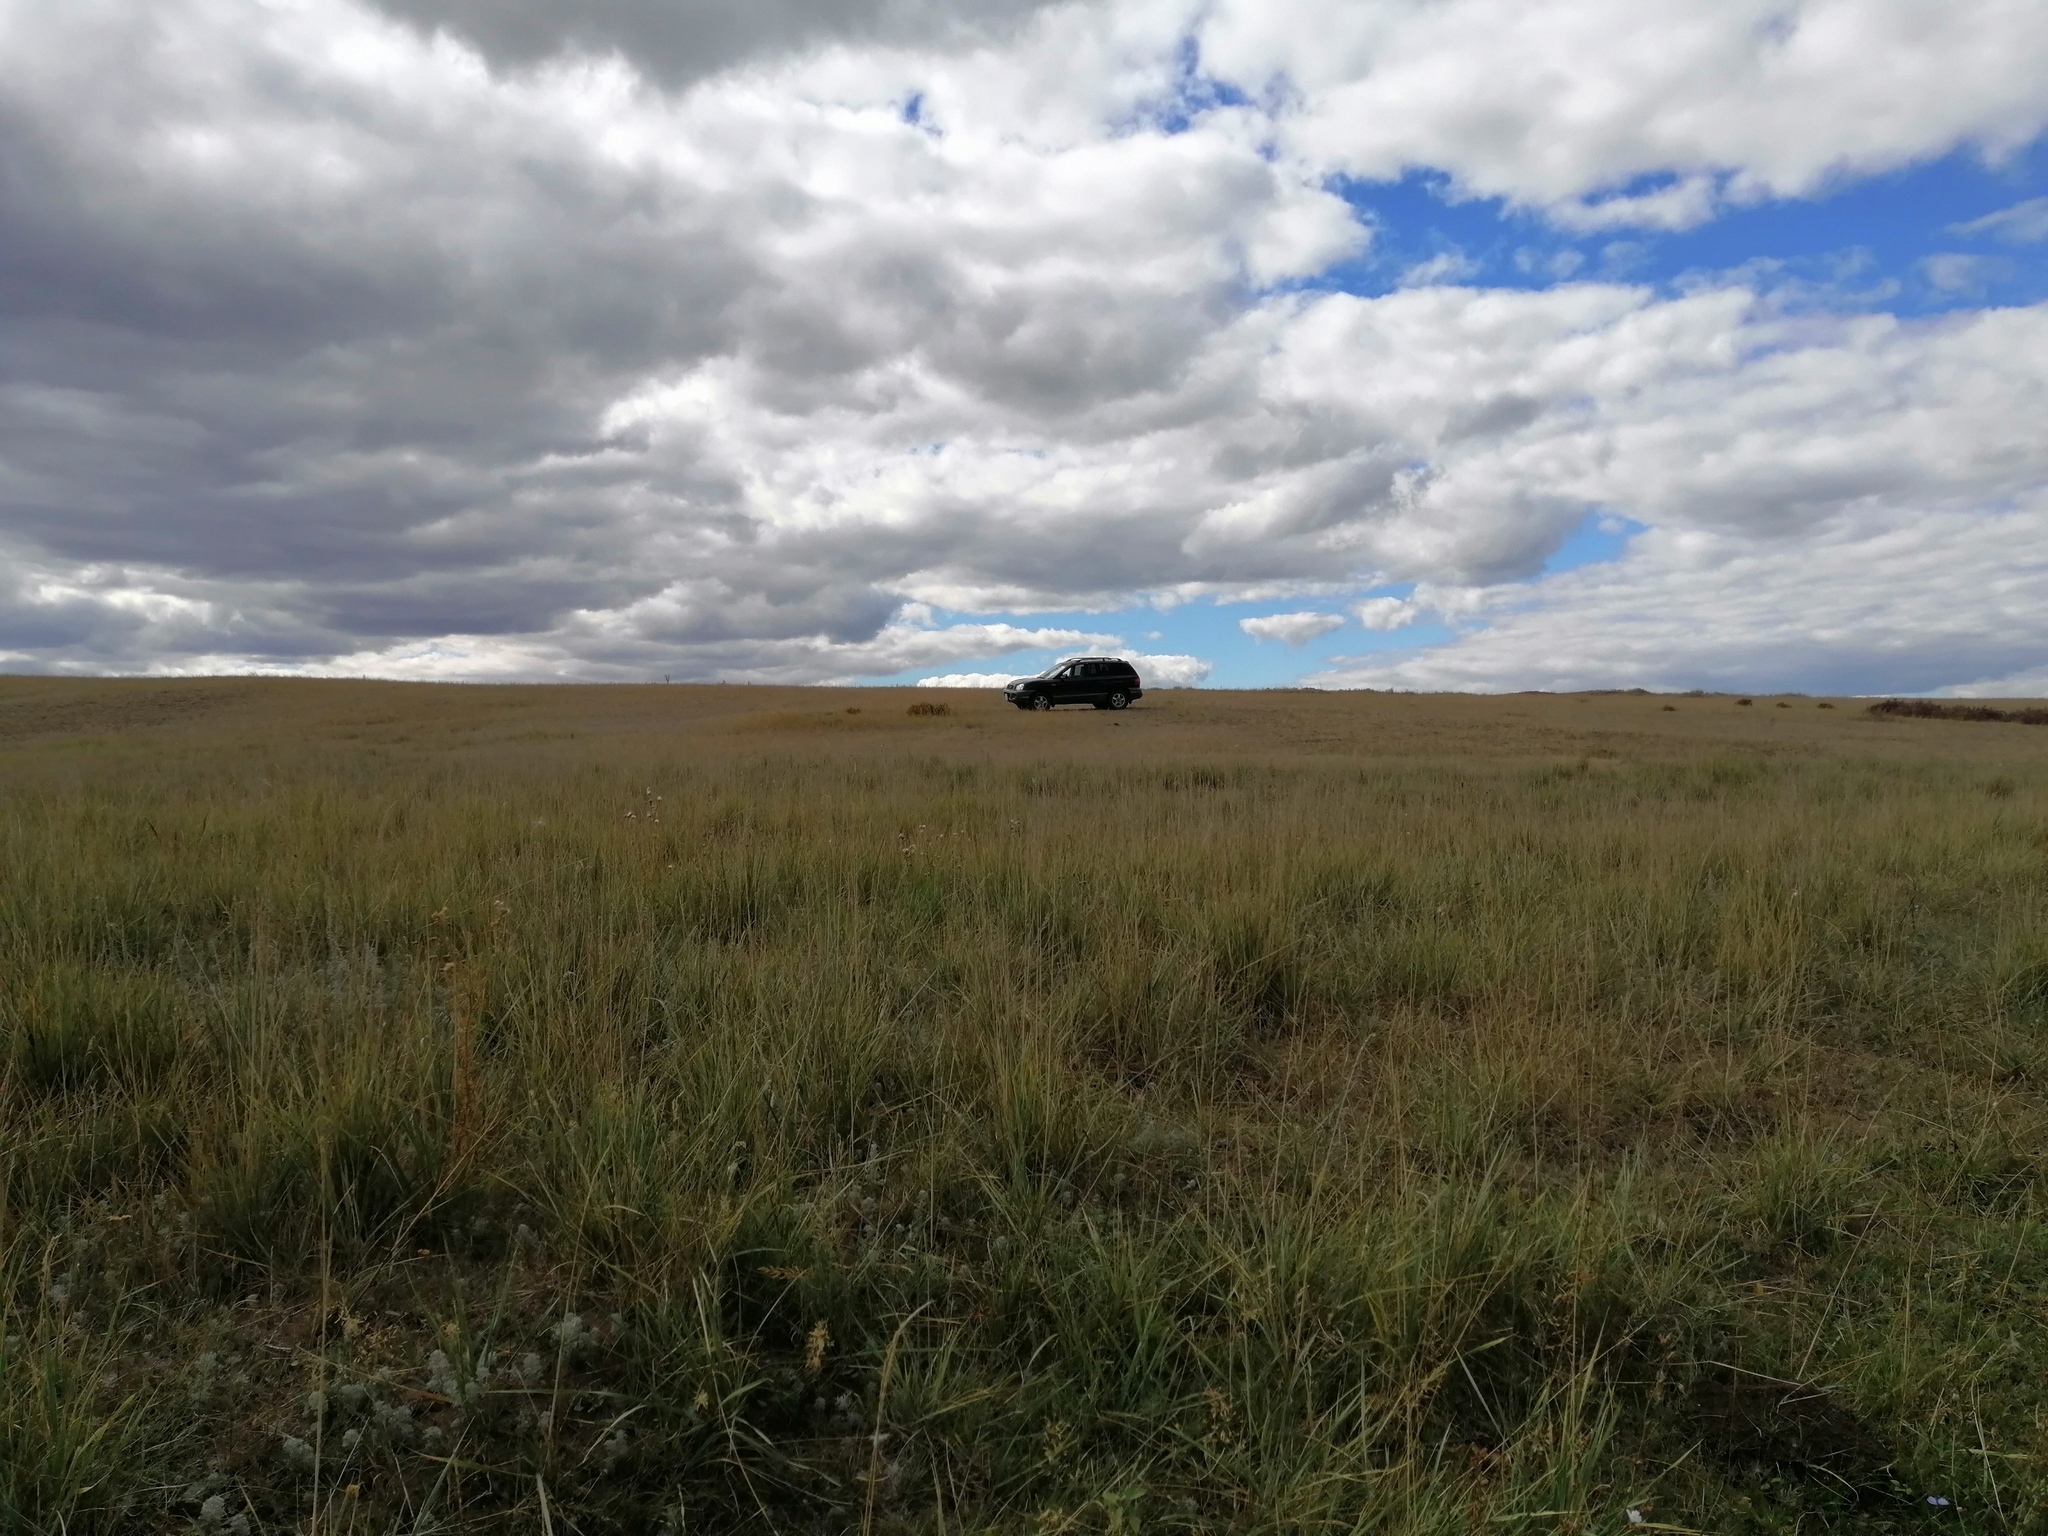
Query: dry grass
point(632, 1109)
point(1930, 709)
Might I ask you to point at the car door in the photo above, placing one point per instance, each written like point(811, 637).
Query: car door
point(1066, 688)
point(1091, 685)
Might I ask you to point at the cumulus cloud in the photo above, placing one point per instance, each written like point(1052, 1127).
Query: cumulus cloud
point(1170, 671)
point(1574, 106)
point(437, 338)
point(1297, 629)
point(1385, 613)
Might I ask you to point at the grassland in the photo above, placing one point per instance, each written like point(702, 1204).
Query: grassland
point(700, 1109)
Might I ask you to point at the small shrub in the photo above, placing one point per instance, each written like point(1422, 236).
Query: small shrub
point(1745, 703)
point(1929, 709)
point(926, 707)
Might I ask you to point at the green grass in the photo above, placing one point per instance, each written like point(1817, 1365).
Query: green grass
point(425, 1143)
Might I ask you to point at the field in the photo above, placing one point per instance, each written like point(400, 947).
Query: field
point(698, 1109)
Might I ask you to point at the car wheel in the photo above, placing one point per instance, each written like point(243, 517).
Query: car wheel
point(1118, 700)
point(1043, 701)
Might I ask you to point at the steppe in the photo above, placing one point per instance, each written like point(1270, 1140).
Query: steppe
point(659, 1109)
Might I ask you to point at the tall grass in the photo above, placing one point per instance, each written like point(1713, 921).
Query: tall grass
point(407, 1143)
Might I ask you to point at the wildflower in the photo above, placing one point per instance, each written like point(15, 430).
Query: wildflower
point(1223, 1433)
point(1635, 1517)
point(1058, 1441)
point(1936, 1501)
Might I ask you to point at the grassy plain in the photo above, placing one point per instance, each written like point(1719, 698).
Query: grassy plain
point(695, 1109)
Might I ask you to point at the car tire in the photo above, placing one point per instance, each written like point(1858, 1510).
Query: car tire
point(1117, 700)
point(1043, 701)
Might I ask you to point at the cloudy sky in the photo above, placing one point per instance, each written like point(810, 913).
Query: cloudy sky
point(1389, 343)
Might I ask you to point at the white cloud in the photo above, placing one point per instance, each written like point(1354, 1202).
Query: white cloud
point(1153, 672)
point(1385, 613)
point(1876, 602)
point(1956, 272)
point(2022, 222)
point(968, 680)
point(1451, 266)
point(1560, 265)
point(1171, 671)
point(1297, 629)
point(1582, 99)
point(336, 345)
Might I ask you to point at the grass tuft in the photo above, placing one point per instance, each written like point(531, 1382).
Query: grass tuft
point(795, 1129)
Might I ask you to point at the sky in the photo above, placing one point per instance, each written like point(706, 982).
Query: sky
point(1419, 344)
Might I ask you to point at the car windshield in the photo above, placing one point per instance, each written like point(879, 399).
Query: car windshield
point(1051, 670)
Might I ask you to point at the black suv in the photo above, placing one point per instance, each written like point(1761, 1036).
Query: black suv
point(1102, 681)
